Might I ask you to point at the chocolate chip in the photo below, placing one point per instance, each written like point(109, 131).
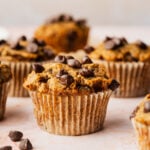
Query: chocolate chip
point(147, 107)
point(97, 87)
point(3, 42)
point(80, 22)
point(17, 46)
point(86, 72)
point(110, 44)
point(86, 60)
point(141, 45)
point(107, 38)
point(15, 135)
point(32, 48)
point(60, 59)
point(49, 53)
point(74, 63)
point(66, 79)
point(61, 72)
point(113, 85)
point(23, 38)
point(88, 49)
point(128, 57)
point(134, 112)
point(43, 79)
point(38, 42)
point(72, 35)
point(25, 145)
point(38, 68)
point(6, 148)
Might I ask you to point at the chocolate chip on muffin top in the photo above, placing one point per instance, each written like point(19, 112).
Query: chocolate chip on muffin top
point(68, 75)
point(25, 50)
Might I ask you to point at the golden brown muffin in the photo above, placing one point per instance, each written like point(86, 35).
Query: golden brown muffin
point(64, 33)
point(141, 122)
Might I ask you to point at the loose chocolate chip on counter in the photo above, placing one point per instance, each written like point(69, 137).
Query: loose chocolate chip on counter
point(147, 107)
point(72, 35)
point(86, 72)
point(6, 148)
point(61, 72)
point(113, 85)
point(66, 79)
point(32, 48)
point(38, 68)
point(88, 49)
point(23, 38)
point(86, 60)
point(80, 22)
point(60, 59)
point(141, 44)
point(15, 135)
point(25, 144)
point(3, 42)
point(74, 63)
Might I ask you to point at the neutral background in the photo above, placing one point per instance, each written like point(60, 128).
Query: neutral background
point(98, 12)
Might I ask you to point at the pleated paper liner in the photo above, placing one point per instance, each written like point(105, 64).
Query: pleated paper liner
point(70, 114)
point(20, 70)
point(4, 88)
point(143, 135)
point(133, 77)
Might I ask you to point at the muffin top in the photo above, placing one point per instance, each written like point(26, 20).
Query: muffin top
point(5, 73)
point(68, 75)
point(25, 50)
point(118, 49)
point(142, 112)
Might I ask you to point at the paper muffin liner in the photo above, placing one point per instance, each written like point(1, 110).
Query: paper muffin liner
point(132, 76)
point(19, 71)
point(4, 88)
point(143, 134)
point(70, 114)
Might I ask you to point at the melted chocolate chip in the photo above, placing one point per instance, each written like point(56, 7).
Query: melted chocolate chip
point(141, 45)
point(86, 72)
point(66, 79)
point(25, 145)
point(6, 148)
point(88, 49)
point(113, 85)
point(86, 60)
point(61, 72)
point(43, 79)
point(32, 48)
point(147, 107)
point(72, 35)
point(80, 22)
point(74, 63)
point(60, 59)
point(15, 135)
point(38, 68)
point(3, 42)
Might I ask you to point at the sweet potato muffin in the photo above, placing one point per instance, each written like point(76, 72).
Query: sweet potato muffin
point(64, 33)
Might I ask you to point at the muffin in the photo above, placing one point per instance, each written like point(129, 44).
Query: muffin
point(129, 63)
point(64, 33)
point(141, 122)
point(20, 56)
point(5, 76)
point(70, 97)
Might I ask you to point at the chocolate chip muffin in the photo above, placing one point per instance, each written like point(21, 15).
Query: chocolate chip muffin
point(20, 56)
point(5, 76)
point(64, 33)
point(141, 122)
point(70, 97)
point(128, 62)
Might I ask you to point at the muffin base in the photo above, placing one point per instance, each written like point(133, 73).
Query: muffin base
point(143, 135)
point(4, 88)
point(72, 114)
point(133, 77)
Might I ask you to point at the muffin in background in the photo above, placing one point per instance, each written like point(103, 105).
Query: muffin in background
point(70, 97)
point(141, 123)
point(20, 56)
point(129, 63)
point(64, 33)
point(5, 76)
